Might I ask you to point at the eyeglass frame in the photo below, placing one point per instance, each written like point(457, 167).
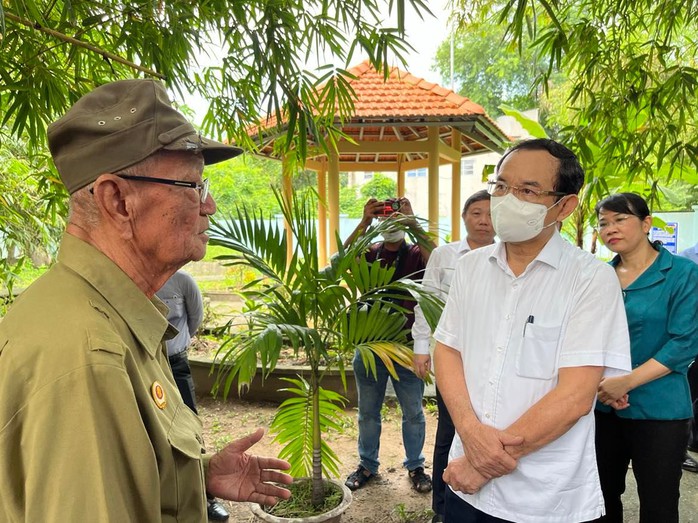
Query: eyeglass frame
point(515, 190)
point(202, 187)
point(619, 221)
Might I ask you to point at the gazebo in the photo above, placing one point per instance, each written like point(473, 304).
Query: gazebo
point(399, 123)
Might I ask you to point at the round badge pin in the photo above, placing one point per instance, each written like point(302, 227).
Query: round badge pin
point(158, 394)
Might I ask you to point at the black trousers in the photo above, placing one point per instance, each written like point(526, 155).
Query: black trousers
point(179, 363)
point(656, 449)
point(458, 511)
point(445, 430)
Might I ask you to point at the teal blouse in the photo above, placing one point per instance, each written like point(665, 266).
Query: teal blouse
point(662, 308)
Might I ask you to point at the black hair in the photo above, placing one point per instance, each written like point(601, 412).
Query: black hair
point(624, 203)
point(570, 175)
point(478, 196)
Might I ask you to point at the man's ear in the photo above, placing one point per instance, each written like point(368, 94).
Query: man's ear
point(112, 198)
point(567, 206)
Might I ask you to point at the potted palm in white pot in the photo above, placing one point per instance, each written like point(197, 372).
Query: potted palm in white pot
point(323, 314)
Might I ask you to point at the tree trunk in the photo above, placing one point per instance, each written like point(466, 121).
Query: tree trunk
point(318, 486)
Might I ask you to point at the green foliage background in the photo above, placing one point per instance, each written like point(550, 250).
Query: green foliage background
point(488, 69)
point(54, 51)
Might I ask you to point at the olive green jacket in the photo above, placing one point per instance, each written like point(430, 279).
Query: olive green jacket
point(92, 427)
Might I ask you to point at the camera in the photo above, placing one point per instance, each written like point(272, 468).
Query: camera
point(390, 206)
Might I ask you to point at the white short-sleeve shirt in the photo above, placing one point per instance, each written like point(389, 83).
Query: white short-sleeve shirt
point(437, 278)
point(514, 333)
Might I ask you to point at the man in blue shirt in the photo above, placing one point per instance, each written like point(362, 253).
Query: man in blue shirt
point(186, 312)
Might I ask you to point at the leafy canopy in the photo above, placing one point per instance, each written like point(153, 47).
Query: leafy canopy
point(488, 69)
point(55, 51)
point(632, 77)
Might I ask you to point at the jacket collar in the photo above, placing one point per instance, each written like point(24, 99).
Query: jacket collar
point(145, 317)
point(655, 273)
point(550, 254)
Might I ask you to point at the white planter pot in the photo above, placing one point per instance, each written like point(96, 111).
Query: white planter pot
point(333, 516)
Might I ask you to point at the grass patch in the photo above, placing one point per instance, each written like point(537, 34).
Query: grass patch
point(405, 515)
point(299, 504)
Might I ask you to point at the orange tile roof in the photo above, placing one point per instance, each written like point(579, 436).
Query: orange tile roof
point(404, 95)
point(400, 108)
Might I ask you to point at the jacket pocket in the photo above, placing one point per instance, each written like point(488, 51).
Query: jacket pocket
point(185, 439)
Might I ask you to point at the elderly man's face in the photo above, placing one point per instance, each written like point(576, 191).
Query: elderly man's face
point(170, 221)
point(478, 222)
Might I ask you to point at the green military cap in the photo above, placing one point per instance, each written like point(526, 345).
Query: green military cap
point(120, 124)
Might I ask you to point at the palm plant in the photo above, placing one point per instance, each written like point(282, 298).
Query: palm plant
point(325, 313)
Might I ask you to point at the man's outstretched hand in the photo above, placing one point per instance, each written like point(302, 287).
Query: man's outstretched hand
point(238, 476)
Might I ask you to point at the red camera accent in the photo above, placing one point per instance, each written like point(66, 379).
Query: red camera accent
point(390, 206)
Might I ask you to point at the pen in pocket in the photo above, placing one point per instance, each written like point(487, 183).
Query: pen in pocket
point(529, 320)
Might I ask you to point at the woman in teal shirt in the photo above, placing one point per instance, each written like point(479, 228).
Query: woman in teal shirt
point(643, 416)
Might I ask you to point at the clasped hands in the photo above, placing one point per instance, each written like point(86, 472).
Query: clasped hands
point(614, 392)
point(488, 454)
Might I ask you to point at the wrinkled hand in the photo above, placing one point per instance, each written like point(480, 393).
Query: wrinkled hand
point(613, 389)
point(421, 364)
point(462, 476)
point(238, 476)
point(484, 448)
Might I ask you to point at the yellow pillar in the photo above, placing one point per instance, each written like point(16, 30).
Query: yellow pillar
point(287, 191)
point(400, 177)
point(455, 188)
point(433, 180)
point(322, 215)
point(333, 199)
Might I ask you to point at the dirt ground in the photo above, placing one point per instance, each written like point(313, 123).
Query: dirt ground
point(389, 498)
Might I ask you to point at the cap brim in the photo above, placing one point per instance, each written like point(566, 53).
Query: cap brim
point(211, 150)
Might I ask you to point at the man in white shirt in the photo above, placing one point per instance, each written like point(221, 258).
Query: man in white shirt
point(438, 275)
point(530, 326)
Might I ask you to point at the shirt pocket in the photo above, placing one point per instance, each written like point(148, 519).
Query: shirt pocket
point(537, 355)
point(187, 450)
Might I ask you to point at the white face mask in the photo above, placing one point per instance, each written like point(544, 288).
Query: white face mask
point(393, 236)
point(515, 220)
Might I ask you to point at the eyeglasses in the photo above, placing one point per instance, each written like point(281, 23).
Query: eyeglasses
point(500, 188)
point(619, 221)
point(201, 187)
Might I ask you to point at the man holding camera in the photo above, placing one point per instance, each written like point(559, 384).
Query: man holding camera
point(409, 261)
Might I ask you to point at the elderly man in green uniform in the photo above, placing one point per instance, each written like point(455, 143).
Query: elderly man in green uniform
point(92, 426)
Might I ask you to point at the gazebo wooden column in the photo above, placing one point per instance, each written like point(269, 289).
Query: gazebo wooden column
point(400, 177)
point(333, 198)
point(433, 179)
point(322, 214)
point(455, 189)
point(287, 191)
